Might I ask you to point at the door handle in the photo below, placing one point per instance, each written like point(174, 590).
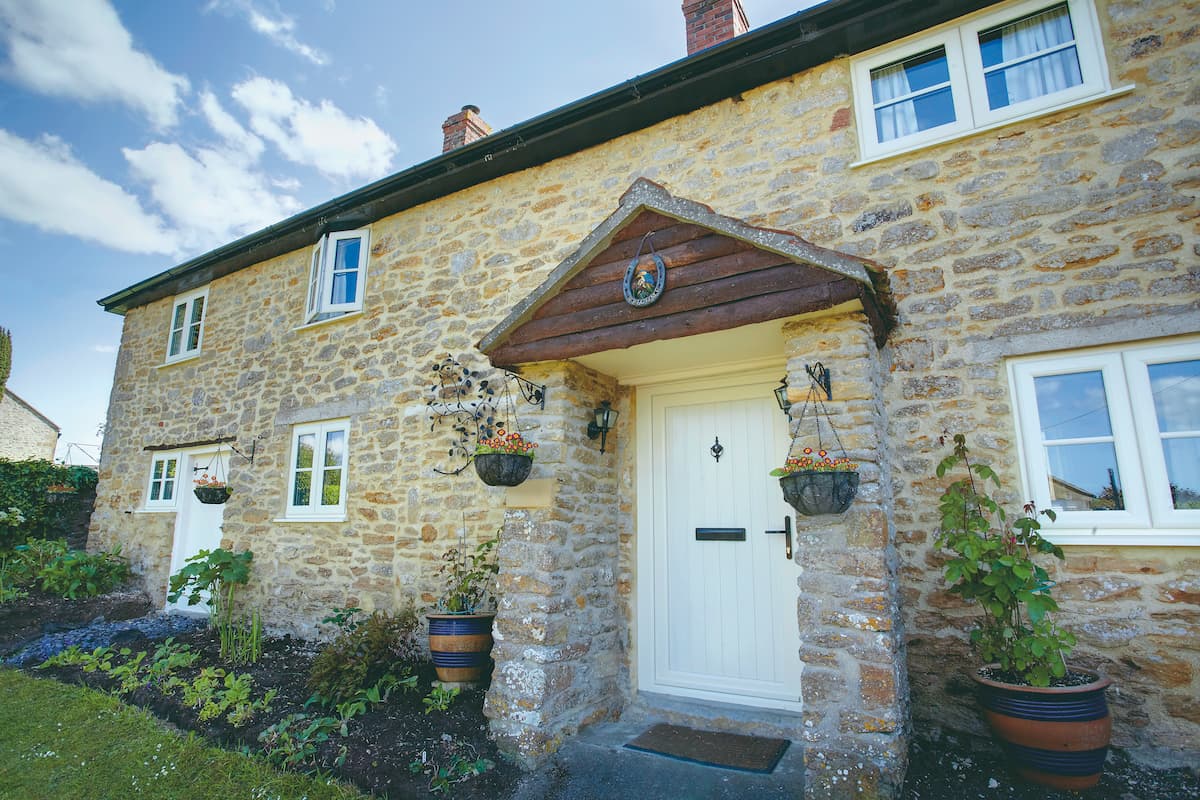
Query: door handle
point(787, 536)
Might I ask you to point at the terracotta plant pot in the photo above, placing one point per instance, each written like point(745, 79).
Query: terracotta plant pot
point(1053, 736)
point(460, 645)
point(503, 469)
point(212, 495)
point(813, 492)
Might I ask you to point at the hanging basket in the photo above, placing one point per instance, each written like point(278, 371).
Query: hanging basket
point(503, 469)
point(212, 495)
point(813, 493)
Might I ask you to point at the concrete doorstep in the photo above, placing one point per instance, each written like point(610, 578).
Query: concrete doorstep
point(595, 765)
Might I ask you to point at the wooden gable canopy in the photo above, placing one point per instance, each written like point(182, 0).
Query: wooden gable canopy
point(721, 273)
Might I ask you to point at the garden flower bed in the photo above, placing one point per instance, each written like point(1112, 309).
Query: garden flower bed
point(393, 748)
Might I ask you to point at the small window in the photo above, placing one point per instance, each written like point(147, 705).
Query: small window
point(317, 483)
point(164, 481)
point(187, 325)
point(337, 275)
point(1111, 441)
point(985, 70)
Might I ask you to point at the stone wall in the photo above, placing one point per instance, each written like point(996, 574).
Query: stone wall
point(24, 434)
point(1070, 229)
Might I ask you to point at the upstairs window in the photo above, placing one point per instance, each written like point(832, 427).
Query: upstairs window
point(320, 456)
point(1111, 442)
point(1028, 58)
point(164, 481)
point(336, 275)
point(187, 325)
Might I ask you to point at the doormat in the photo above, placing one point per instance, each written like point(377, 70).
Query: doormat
point(727, 750)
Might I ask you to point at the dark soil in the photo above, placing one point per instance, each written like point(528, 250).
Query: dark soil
point(965, 768)
point(40, 613)
point(392, 750)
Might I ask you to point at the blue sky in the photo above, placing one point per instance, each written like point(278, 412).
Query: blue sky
point(134, 135)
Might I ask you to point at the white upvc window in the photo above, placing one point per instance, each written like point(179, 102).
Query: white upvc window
point(987, 69)
point(162, 492)
point(337, 274)
point(317, 475)
point(1110, 439)
point(187, 325)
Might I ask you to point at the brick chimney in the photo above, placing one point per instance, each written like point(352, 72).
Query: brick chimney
point(463, 128)
point(711, 22)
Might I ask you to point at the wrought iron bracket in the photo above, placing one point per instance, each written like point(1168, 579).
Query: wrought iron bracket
point(249, 459)
point(820, 376)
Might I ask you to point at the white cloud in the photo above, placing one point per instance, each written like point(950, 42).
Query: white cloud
point(228, 128)
point(80, 50)
point(213, 195)
point(44, 185)
point(279, 28)
point(321, 136)
point(104, 348)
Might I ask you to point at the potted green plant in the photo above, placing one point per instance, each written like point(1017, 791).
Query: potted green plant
point(820, 485)
point(460, 629)
point(504, 459)
point(1051, 719)
point(211, 490)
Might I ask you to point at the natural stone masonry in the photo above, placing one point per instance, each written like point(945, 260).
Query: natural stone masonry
point(24, 433)
point(1069, 230)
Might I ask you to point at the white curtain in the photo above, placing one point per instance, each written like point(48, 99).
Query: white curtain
point(897, 120)
point(1045, 75)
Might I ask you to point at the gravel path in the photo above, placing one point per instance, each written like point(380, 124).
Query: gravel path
point(158, 625)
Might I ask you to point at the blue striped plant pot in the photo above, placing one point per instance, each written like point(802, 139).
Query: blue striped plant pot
point(460, 645)
point(1054, 736)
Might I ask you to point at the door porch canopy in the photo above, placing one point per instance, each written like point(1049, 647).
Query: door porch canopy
point(721, 273)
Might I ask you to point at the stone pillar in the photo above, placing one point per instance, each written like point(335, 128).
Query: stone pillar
point(559, 631)
point(854, 686)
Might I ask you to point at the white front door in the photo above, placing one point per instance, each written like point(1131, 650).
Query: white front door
point(197, 525)
point(716, 592)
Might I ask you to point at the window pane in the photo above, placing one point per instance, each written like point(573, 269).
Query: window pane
point(155, 488)
point(158, 470)
point(1030, 57)
point(177, 322)
point(172, 465)
point(335, 448)
point(1183, 471)
point(197, 310)
point(1072, 406)
point(303, 492)
point(1176, 390)
point(331, 491)
point(928, 76)
point(345, 285)
point(168, 490)
point(1084, 477)
point(176, 337)
point(304, 450)
point(346, 255)
point(194, 337)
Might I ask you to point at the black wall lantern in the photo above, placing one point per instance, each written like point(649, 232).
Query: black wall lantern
point(605, 419)
point(781, 396)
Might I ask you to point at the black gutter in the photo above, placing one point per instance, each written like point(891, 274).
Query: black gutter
point(789, 46)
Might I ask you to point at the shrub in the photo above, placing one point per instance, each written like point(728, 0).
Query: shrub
point(358, 657)
point(76, 573)
point(215, 576)
point(23, 486)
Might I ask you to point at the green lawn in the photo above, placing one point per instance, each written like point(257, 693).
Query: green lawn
point(59, 741)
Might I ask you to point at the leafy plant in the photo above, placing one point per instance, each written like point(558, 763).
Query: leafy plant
point(294, 740)
point(468, 578)
point(215, 693)
point(23, 486)
point(346, 619)
point(439, 698)
point(215, 575)
point(994, 566)
point(359, 657)
point(75, 573)
point(9, 576)
point(461, 764)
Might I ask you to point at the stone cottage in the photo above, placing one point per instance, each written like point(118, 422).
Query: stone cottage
point(25, 432)
point(977, 217)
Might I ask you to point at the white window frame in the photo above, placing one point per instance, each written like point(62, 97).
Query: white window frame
point(160, 504)
point(314, 510)
point(1149, 518)
point(188, 301)
point(965, 62)
point(321, 272)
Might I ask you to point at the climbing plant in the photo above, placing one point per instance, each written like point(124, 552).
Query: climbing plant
point(23, 486)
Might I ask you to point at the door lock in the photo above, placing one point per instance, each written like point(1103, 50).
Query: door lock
point(787, 536)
